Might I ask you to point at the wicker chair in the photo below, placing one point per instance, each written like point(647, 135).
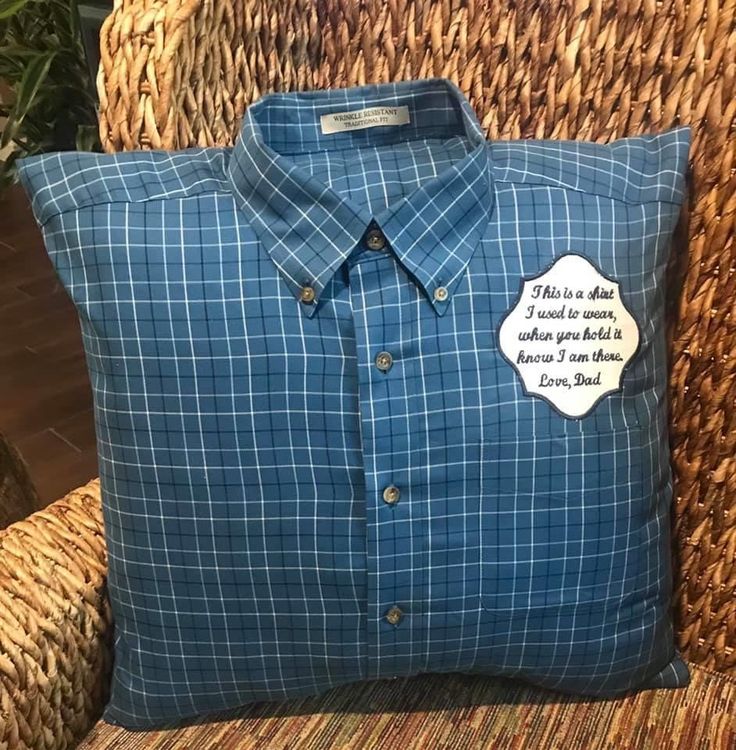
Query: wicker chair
point(179, 73)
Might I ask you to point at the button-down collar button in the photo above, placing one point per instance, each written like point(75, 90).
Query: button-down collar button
point(391, 494)
point(384, 361)
point(440, 293)
point(394, 615)
point(307, 294)
point(375, 240)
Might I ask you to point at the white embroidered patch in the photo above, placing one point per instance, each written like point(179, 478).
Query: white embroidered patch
point(570, 336)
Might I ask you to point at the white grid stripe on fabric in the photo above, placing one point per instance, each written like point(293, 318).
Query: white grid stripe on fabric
point(246, 438)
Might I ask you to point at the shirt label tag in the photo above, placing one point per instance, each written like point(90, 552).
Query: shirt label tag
point(570, 336)
point(338, 122)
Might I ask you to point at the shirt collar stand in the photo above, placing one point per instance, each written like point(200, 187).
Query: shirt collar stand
point(309, 229)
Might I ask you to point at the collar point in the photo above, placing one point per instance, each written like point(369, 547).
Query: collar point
point(440, 306)
point(307, 310)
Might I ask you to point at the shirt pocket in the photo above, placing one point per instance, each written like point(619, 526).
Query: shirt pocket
point(562, 518)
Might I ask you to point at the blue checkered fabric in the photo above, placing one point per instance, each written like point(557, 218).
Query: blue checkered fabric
point(247, 436)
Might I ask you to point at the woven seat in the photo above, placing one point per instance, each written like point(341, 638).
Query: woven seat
point(179, 73)
point(460, 712)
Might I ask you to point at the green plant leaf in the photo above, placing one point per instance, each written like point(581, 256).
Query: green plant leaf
point(33, 131)
point(16, 52)
point(63, 15)
point(10, 7)
point(42, 61)
point(26, 92)
point(87, 138)
point(13, 61)
point(8, 171)
point(24, 145)
point(74, 19)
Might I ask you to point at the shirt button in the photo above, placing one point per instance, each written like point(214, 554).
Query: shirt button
point(375, 240)
point(384, 361)
point(440, 293)
point(307, 294)
point(391, 494)
point(394, 615)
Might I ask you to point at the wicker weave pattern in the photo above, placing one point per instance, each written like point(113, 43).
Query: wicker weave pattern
point(18, 496)
point(458, 712)
point(55, 624)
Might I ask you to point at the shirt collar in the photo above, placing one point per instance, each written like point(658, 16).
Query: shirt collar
point(309, 229)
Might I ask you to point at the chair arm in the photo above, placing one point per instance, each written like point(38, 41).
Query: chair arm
point(55, 624)
point(18, 495)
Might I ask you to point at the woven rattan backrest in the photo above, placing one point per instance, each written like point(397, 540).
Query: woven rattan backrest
point(178, 74)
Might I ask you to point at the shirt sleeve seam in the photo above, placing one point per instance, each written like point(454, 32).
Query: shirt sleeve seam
point(675, 200)
point(154, 199)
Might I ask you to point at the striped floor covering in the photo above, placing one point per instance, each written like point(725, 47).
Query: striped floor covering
point(460, 712)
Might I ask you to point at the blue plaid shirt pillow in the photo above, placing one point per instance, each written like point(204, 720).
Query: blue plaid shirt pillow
point(375, 396)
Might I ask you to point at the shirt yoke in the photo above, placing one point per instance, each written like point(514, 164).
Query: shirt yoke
point(637, 169)
point(70, 180)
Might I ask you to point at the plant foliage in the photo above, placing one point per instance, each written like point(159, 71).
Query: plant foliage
point(52, 106)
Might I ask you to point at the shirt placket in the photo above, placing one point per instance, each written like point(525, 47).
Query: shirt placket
point(394, 551)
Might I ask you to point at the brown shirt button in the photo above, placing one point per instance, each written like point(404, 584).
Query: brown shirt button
point(394, 615)
point(391, 494)
point(384, 360)
point(307, 294)
point(375, 240)
point(441, 293)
